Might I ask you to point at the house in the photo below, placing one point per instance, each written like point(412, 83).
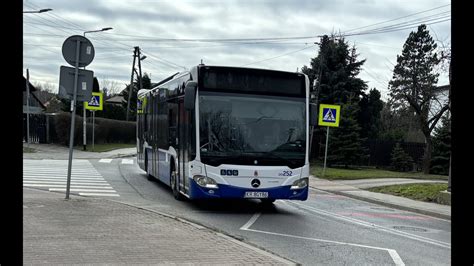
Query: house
point(116, 100)
point(36, 106)
point(37, 120)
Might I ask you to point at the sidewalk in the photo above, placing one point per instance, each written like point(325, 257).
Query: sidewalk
point(98, 231)
point(59, 152)
point(355, 189)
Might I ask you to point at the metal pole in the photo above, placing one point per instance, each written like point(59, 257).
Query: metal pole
point(84, 127)
point(326, 152)
point(130, 89)
point(27, 108)
point(93, 128)
point(73, 116)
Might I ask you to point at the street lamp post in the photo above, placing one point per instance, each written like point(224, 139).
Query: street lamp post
point(84, 123)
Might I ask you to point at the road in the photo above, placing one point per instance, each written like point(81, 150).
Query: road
point(326, 229)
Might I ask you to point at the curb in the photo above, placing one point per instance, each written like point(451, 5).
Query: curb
point(396, 206)
point(218, 232)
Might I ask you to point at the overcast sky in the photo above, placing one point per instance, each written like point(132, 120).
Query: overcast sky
point(148, 23)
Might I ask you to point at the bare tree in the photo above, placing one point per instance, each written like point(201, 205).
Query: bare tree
point(113, 87)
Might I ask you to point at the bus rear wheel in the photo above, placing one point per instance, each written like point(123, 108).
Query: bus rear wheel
point(174, 185)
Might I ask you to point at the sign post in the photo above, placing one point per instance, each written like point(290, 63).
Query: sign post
point(79, 56)
point(96, 103)
point(329, 115)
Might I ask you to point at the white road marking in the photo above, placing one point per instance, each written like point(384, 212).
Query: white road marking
point(105, 160)
point(419, 214)
point(60, 181)
point(250, 222)
point(52, 174)
point(127, 161)
point(64, 186)
point(85, 190)
point(379, 227)
point(99, 194)
point(393, 253)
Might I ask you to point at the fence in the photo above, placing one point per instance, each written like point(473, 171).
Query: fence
point(38, 128)
point(379, 151)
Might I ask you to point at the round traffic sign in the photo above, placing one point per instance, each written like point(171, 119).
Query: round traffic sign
point(86, 50)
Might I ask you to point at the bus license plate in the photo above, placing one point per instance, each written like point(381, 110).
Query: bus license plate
point(256, 194)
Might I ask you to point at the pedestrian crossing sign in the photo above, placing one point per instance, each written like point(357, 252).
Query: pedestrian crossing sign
point(329, 115)
point(96, 102)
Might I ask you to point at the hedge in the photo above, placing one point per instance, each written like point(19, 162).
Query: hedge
point(106, 130)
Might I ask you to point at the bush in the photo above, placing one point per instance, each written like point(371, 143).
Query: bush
point(106, 130)
point(401, 161)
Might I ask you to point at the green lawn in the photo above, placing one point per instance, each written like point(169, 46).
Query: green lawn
point(28, 150)
point(348, 174)
point(106, 147)
point(423, 192)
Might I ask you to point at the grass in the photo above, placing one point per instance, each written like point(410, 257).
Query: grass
point(106, 147)
point(349, 174)
point(28, 150)
point(423, 192)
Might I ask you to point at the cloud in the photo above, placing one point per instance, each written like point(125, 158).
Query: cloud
point(211, 19)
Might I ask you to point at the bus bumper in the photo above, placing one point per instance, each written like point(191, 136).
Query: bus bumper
point(233, 192)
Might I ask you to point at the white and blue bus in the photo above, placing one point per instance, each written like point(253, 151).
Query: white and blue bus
point(227, 132)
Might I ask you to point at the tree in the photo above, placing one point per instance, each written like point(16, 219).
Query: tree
point(369, 119)
point(335, 68)
point(401, 161)
point(146, 84)
point(345, 144)
point(399, 124)
point(414, 83)
point(442, 147)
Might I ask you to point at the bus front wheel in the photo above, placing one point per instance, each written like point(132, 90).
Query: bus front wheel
point(174, 185)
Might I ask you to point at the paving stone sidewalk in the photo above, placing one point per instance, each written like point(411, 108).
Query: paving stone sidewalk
point(96, 231)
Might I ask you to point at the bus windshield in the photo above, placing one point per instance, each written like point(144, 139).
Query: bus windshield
point(252, 129)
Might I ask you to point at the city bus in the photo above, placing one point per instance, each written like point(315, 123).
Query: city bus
point(218, 132)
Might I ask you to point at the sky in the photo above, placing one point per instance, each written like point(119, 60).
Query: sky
point(177, 35)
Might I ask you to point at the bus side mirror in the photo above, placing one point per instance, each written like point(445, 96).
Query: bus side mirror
point(190, 95)
point(313, 114)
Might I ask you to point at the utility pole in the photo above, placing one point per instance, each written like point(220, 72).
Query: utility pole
point(27, 108)
point(139, 69)
point(130, 88)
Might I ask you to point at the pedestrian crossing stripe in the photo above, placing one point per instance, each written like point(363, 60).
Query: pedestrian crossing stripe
point(96, 102)
point(52, 175)
point(329, 115)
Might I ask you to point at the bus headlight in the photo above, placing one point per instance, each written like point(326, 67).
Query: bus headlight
point(300, 183)
point(205, 181)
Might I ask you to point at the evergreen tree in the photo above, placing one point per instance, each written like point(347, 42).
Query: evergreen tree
point(370, 118)
point(345, 144)
point(401, 161)
point(414, 83)
point(335, 68)
point(441, 147)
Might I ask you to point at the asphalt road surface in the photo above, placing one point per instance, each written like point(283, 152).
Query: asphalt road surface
point(326, 229)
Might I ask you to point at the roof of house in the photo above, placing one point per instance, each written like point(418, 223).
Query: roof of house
point(23, 85)
point(116, 99)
